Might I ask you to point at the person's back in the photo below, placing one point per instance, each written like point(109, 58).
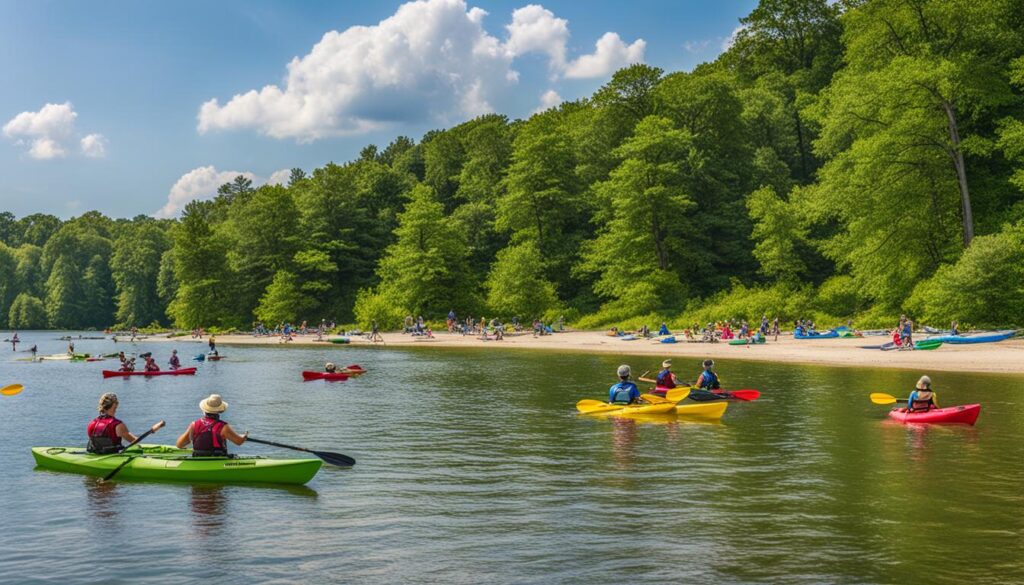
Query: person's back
point(106, 431)
point(708, 379)
point(210, 435)
point(922, 398)
point(624, 392)
point(665, 378)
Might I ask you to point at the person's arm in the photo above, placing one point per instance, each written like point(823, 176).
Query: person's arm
point(911, 399)
point(122, 431)
point(229, 433)
point(700, 380)
point(185, 437)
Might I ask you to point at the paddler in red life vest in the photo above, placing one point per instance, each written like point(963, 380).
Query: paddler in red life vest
point(106, 431)
point(922, 399)
point(209, 435)
point(666, 380)
point(174, 362)
point(151, 365)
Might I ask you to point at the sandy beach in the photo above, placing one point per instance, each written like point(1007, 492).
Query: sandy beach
point(1003, 357)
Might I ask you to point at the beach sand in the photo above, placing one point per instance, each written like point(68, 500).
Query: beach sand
point(1003, 357)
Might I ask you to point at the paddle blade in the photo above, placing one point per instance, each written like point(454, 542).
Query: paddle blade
point(11, 390)
point(587, 406)
point(745, 394)
point(336, 459)
point(882, 398)
point(677, 394)
point(655, 399)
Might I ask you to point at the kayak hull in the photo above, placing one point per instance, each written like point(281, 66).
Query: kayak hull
point(965, 414)
point(702, 410)
point(330, 376)
point(746, 342)
point(927, 344)
point(164, 463)
point(178, 372)
point(827, 335)
point(979, 338)
point(634, 409)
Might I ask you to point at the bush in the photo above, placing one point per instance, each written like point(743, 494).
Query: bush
point(371, 305)
point(27, 312)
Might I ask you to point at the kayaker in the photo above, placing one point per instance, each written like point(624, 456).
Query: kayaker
point(922, 398)
point(209, 435)
point(33, 349)
point(15, 341)
point(71, 348)
point(625, 392)
point(213, 343)
point(330, 368)
point(105, 432)
point(708, 379)
point(151, 365)
point(665, 378)
point(174, 362)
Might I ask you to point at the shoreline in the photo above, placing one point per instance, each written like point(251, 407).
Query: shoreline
point(1005, 357)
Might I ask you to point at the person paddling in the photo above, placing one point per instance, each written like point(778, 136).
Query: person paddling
point(174, 362)
point(708, 379)
point(15, 341)
point(105, 432)
point(330, 368)
point(922, 398)
point(151, 365)
point(625, 392)
point(209, 435)
point(665, 379)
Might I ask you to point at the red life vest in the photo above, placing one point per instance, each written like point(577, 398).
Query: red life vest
point(206, 439)
point(103, 435)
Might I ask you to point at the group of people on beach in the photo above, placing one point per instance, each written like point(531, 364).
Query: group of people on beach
point(209, 435)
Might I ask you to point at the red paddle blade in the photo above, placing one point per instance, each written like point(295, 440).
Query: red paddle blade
point(353, 367)
point(745, 394)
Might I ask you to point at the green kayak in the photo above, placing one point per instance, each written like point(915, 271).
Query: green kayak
point(164, 463)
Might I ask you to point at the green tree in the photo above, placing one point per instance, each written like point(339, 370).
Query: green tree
point(64, 299)
point(204, 296)
point(9, 288)
point(778, 232)
point(516, 285)
point(27, 312)
point(284, 300)
point(135, 266)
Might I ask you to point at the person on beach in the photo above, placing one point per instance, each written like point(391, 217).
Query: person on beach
point(922, 398)
point(624, 392)
point(906, 335)
point(174, 362)
point(665, 378)
point(375, 335)
point(209, 435)
point(764, 324)
point(105, 432)
point(775, 328)
point(708, 379)
point(954, 328)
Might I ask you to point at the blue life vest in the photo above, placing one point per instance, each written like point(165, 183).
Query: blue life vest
point(623, 392)
point(709, 381)
point(664, 379)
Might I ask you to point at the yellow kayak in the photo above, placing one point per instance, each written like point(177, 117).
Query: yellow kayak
point(627, 409)
point(702, 409)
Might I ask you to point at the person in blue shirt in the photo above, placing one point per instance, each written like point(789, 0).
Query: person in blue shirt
point(922, 398)
point(708, 379)
point(666, 379)
point(625, 392)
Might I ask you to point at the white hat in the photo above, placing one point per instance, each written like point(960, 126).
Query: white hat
point(666, 364)
point(213, 404)
point(624, 371)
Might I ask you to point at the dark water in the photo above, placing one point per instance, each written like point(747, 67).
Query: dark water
point(473, 467)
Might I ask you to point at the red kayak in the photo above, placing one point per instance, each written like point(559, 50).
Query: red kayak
point(307, 376)
point(179, 372)
point(965, 414)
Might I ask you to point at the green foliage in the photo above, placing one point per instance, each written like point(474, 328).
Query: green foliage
point(27, 312)
point(516, 285)
point(778, 231)
point(284, 301)
point(135, 266)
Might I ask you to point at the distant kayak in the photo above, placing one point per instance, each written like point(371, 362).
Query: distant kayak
point(975, 338)
point(748, 341)
point(928, 344)
point(307, 376)
point(671, 339)
point(816, 335)
point(628, 338)
point(966, 414)
point(339, 340)
point(178, 372)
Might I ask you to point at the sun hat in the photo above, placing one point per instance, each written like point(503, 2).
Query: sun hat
point(213, 404)
point(925, 383)
point(624, 371)
point(329, 366)
point(709, 363)
point(666, 364)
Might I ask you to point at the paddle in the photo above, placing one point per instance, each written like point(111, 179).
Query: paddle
point(654, 398)
point(882, 398)
point(677, 394)
point(746, 395)
point(333, 458)
point(152, 430)
point(588, 406)
point(11, 390)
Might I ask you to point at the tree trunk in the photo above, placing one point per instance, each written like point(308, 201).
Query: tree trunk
point(961, 173)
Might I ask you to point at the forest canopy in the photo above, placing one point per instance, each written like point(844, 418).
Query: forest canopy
point(857, 159)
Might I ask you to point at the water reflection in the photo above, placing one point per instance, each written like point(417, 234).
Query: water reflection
point(102, 500)
point(208, 505)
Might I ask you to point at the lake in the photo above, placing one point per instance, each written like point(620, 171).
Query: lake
point(473, 467)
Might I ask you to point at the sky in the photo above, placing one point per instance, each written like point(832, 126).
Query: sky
point(135, 108)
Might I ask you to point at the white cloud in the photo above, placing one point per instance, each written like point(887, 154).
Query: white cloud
point(696, 46)
point(728, 41)
point(610, 54)
point(199, 183)
point(535, 29)
point(94, 146)
point(50, 133)
point(280, 177)
point(430, 61)
point(548, 100)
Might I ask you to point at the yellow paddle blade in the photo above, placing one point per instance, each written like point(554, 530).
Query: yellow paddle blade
point(882, 398)
point(677, 394)
point(11, 390)
point(655, 399)
point(594, 406)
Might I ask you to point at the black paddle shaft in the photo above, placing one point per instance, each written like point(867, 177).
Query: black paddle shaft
point(152, 430)
point(333, 458)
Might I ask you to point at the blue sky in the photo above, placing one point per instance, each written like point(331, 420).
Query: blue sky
point(126, 82)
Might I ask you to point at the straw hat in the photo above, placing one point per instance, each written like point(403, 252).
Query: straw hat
point(925, 383)
point(213, 404)
point(624, 371)
point(666, 364)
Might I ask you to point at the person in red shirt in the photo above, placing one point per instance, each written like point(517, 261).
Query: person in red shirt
point(106, 431)
point(209, 435)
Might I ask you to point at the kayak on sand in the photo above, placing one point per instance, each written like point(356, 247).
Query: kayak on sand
point(964, 414)
point(161, 462)
point(178, 372)
point(975, 338)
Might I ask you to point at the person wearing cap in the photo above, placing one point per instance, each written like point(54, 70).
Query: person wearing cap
point(922, 398)
point(708, 379)
point(666, 379)
point(174, 362)
point(106, 431)
point(330, 368)
point(209, 435)
point(625, 392)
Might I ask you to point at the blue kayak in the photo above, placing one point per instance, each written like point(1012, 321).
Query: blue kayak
point(976, 338)
point(815, 335)
point(669, 339)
